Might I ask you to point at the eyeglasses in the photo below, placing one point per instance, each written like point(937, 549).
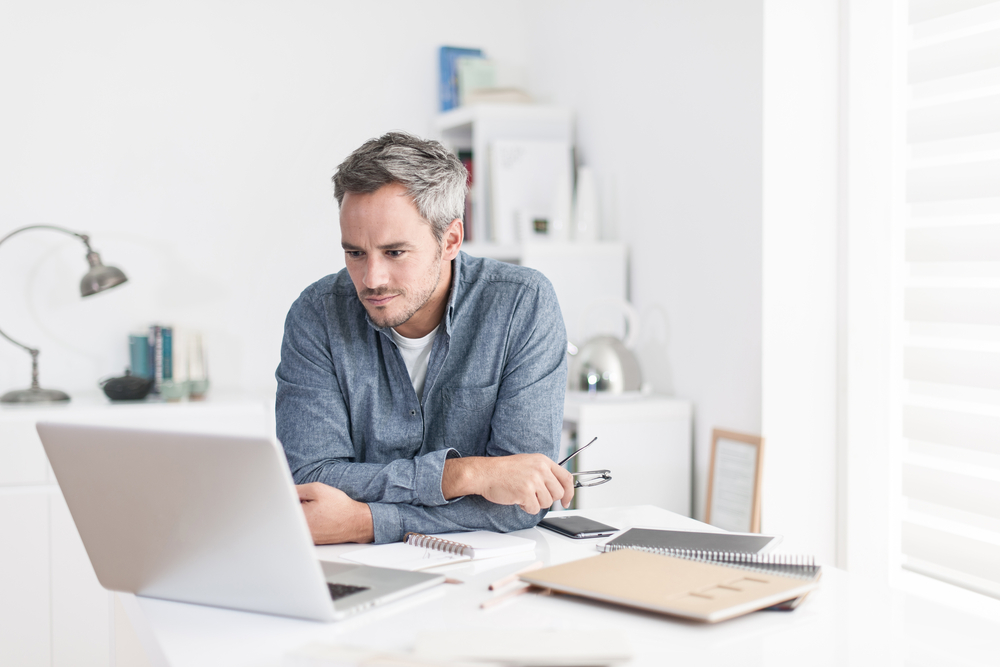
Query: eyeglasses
point(591, 478)
point(588, 477)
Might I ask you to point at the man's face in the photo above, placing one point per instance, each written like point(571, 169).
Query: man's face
point(394, 260)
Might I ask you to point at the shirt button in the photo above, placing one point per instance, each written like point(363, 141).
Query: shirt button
point(413, 412)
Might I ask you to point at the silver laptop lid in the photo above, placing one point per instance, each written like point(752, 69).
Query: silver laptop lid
point(209, 519)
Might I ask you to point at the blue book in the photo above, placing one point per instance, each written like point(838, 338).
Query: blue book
point(161, 355)
point(138, 348)
point(168, 353)
point(448, 88)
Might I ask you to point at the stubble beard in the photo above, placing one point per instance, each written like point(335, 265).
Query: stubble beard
point(418, 300)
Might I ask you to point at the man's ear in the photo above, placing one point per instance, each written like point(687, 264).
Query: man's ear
point(453, 237)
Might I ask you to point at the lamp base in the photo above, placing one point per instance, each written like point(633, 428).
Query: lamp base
point(34, 395)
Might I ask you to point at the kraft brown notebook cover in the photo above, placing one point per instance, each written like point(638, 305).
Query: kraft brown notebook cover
point(676, 586)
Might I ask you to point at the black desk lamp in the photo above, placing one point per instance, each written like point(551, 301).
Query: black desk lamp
point(98, 279)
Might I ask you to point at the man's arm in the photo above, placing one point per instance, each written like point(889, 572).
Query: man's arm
point(334, 518)
point(314, 424)
point(491, 491)
point(500, 493)
point(531, 481)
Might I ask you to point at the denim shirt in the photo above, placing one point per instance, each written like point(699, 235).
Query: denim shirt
point(347, 414)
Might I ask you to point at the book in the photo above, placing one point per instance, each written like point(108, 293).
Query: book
point(735, 549)
point(497, 96)
point(138, 347)
point(168, 353)
point(552, 647)
point(160, 356)
point(476, 646)
point(448, 72)
point(474, 74)
point(420, 552)
point(656, 538)
point(707, 592)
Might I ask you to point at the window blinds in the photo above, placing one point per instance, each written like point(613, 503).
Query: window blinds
point(951, 358)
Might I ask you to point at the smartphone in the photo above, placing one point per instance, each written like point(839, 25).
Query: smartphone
point(577, 527)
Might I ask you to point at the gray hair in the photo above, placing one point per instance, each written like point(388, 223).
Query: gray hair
point(433, 176)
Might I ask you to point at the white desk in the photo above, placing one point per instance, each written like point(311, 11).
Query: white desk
point(843, 623)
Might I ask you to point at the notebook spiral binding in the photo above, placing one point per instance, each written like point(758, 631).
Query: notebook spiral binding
point(722, 556)
point(793, 565)
point(437, 543)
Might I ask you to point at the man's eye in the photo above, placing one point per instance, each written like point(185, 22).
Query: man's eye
point(354, 254)
point(395, 253)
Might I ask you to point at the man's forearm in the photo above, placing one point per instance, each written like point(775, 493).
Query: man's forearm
point(360, 527)
point(333, 517)
point(472, 512)
point(533, 481)
point(461, 477)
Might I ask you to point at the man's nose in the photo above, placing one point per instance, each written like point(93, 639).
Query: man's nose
point(376, 274)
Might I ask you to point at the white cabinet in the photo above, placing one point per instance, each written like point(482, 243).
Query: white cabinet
point(645, 441)
point(53, 611)
point(25, 632)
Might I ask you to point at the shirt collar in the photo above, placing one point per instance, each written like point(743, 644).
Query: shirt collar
point(456, 282)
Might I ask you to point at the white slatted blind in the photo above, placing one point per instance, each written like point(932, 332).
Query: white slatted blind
point(951, 359)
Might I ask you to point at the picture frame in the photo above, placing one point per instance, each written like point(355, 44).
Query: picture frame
point(734, 481)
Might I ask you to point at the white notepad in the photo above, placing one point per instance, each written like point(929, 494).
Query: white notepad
point(420, 552)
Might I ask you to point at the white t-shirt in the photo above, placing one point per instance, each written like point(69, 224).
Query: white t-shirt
point(416, 353)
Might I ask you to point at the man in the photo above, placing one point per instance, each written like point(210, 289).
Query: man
point(420, 389)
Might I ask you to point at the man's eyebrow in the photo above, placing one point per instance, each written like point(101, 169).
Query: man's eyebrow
point(396, 245)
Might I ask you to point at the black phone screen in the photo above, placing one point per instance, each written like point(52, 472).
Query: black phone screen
point(577, 527)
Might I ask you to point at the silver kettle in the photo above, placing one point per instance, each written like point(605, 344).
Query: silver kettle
point(605, 363)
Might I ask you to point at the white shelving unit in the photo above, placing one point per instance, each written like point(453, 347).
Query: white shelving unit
point(582, 273)
point(475, 127)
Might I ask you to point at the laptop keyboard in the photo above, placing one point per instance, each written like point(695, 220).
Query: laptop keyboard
point(338, 591)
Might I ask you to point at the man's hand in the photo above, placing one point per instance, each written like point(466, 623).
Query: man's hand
point(333, 517)
point(533, 481)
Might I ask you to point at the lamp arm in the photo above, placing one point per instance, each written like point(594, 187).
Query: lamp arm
point(30, 350)
point(82, 237)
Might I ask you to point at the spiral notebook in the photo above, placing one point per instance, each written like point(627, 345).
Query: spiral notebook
point(734, 549)
point(419, 552)
point(659, 538)
point(700, 591)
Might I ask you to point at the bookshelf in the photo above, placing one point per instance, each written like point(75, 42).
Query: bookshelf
point(474, 128)
point(582, 273)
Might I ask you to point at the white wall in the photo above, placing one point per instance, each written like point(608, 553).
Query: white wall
point(195, 142)
point(668, 97)
point(801, 144)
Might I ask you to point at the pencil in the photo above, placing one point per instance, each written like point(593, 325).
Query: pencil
point(505, 596)
point(511, 578)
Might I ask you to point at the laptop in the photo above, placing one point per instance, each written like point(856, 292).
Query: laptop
point(206, 519)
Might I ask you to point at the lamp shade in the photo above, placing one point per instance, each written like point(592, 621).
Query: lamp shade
point(99, 277)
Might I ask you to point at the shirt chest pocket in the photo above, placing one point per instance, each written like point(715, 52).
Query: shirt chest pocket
point(468, 413)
